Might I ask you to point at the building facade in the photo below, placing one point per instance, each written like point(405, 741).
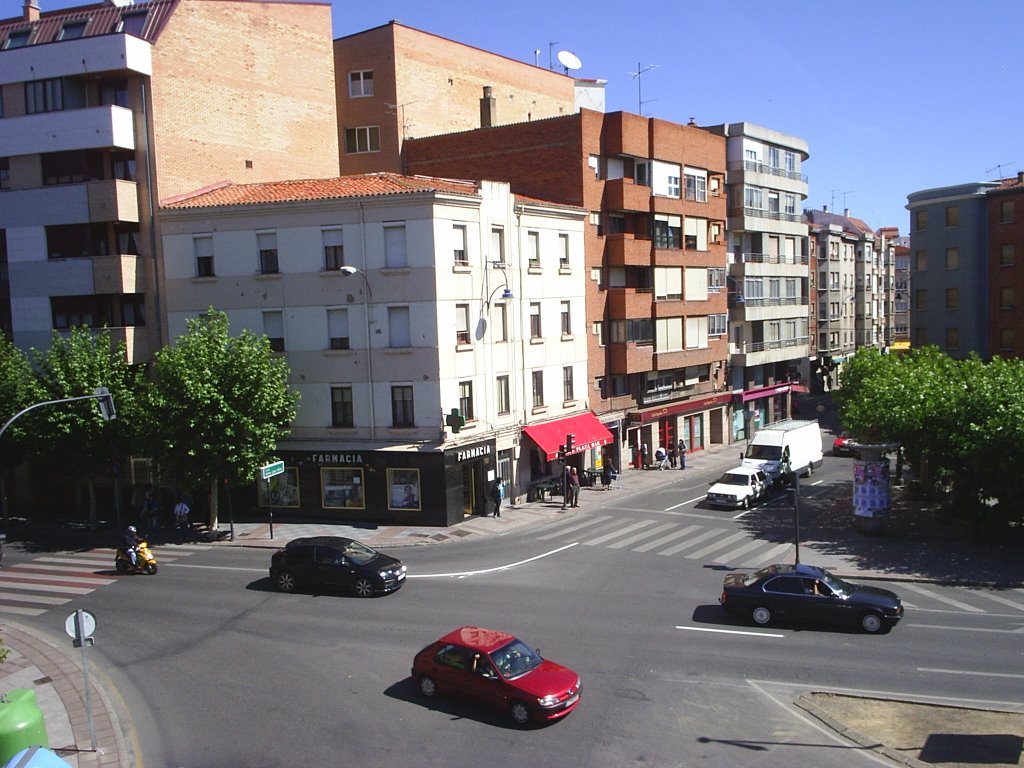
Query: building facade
point(106, 108)
point(434, 330)
point(1006, 277)
point(655, 260)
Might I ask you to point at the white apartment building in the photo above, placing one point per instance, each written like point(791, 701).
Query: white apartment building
point(768, 273)
point(435, 330)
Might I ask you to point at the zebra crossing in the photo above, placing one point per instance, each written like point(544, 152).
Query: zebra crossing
point(35, 586)
point(734, 549)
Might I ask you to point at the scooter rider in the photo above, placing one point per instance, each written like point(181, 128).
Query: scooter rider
point(131, 544)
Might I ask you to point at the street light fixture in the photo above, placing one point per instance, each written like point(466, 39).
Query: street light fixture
point(367, 295)
point(506, 291)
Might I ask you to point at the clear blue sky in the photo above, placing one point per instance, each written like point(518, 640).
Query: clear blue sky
point(892, 96)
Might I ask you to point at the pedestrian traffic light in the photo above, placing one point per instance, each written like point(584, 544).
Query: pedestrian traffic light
point(568, 443)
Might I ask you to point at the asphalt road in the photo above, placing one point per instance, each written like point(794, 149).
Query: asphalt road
point(219, 670)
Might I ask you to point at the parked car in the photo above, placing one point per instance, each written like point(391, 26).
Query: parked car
point(335, 562)
point(495, 669)
point(739, 487)
point(806, 593)
point(844, 446)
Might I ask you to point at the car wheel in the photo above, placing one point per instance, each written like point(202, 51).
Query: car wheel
point(363, 587)
point(285, 581)
point(761, 615)
point(871, 622)
point(427, 686)
point(520, 712)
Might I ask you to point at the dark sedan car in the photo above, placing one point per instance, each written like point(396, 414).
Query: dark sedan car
point(336, 562)
point(805, 593)
point(496, 670)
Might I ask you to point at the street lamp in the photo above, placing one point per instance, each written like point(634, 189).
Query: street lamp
point(507, 292)
point(367, 295)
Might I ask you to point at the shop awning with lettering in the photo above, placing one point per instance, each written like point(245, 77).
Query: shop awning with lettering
point(587, 431)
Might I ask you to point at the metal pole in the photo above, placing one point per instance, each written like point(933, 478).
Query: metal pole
point(796, 514)
point(85, 679)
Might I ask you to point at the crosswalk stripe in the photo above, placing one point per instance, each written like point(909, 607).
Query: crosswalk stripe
point(666, 539)
point(10, 597)
point(71, 569)
point(619, 532)
point(11, 575)
point(17, 609)
point(581, 524)
point(734, 554)
point(999, 599)
point(941, 598)
point(642, 535)
point(34, 587)
point(771, 556)
point(716, 545)
point(692, 542)
point(75, 560)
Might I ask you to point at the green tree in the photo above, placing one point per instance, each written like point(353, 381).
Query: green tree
point(221, 402)
point(74, 435)
point(21, 389)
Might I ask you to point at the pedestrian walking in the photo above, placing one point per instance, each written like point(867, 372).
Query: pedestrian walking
point(181, 512)
point(496, 496)
point(682, 455)
point(574, 488)
point(643, 456)
point(607, 474)
point(661, 457)
point(672, 456)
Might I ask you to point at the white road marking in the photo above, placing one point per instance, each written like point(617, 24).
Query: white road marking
point(941, 598)
point(618, 532)
point(40, 599)
point(731, 631)
point(974, 673)
point(734, 554)
point(665, 539)
point(716, 545)
point(684, 503)
point(692, 542)
point(997, 598)
point(568, 529)
point(463, 574)
point(771, 556)
point(46, 588)
point(8, 576)
point(642, 535)
point(22, 611)
point(1018, 631)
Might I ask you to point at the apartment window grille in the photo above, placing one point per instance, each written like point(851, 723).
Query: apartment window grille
point(334, 248)
point(337, 328)
point(268, 253)
point(402, 413)
point(466, 400)
point(342, 414)
point(363, 139)
point(202, 247)
point(360, 83)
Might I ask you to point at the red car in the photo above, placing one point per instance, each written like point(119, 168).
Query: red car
point(497, 670)
point(844, 446)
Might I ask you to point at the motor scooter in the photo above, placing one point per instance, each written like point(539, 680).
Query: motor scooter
point(145, 561)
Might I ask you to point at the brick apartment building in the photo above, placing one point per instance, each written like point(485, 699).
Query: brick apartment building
point(395, 82)
point(1006, 278)
point(655, 258)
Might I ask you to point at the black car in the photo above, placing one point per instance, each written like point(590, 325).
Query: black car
point(805, 593)
point(334, 561)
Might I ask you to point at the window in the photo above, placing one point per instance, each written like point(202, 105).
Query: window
point(504, 401)
point(952, 215)
point(666, 231)
point(566, 318)
point(5, 173)
point(273, 328)
point(334, 248)
point(716, 279)
point(533, 248)
point(752, 198)
point(17, 39)
point(44, 96)
point(403, 489)
point(501, 322)
point(642, 176)
point(790, 158)
point(462, 324)
point(773, 203)
point(122, 166)
point(133, 22)
point(773, 157)
point(952, 338)
point(790, 205)
point(363, 139)
point(337, 328)
point(341, 407)
point(696, 185)
point(535, 330)
point(466, 400)
point(398, 327)
point(920, 299)
point(342, 487)
point(498, 245)
point(67, 241)
point(952, 298)
point(696, 234)
point(952, 258)
point(202, 247)
point(568, 390)
point(127, 239)
point(920, 219)
point(401, 407)
point(672, 183)
point(395, 255)
point(920, 261)
point(1006, 212)
point(718, 325)
point(72, 30)
point(668, 284)
point(360, 83)
point(459, 255)
point(119, 310)
point(71, 167)
point(639, 331)
point(563, 250)
point(1006, 297)
point(538, 388)
point(268, 252)
point(1006, 255)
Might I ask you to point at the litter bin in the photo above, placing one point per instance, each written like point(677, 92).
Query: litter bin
point(21, 723)
point(37, 757)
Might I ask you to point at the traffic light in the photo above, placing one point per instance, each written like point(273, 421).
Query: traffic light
point(568, 443)
point(106, 403)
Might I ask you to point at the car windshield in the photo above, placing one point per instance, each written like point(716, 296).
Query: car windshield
point(837, 585)
point(765, 452)
point(515, 659)
point(360, 554)
point(731, 478)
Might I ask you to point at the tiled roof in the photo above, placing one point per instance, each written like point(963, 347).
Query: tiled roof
point(548, 203)
point(365, 185)
point(102, 19)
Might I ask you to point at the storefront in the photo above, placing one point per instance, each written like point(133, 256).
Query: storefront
point(584, 431)
point(393, 487)
point(696, 423)
point(753, 408)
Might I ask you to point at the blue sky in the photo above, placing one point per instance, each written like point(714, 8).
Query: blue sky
point(892, 96)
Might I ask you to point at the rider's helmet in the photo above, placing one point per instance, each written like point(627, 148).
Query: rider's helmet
point(131, 529)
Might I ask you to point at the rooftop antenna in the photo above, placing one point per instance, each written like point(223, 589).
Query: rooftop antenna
point(569, 60)
point(639, 92)
point(844, 194)
point(551, 47)
point(999, 167)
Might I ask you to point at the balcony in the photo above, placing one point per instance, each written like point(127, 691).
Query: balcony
point(626, 195)
point(121, 53)
point(629, 357)
point(771, 258)
point(106, 127)
point(629, 302)
point(114, 200)
point(662, 396)
point(626, 250)
point(766, 352)
point(751, 166)
point(118, 274)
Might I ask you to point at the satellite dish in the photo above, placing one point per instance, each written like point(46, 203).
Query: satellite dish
point(569, 60)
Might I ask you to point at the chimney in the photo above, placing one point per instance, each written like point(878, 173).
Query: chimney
point(824, 209)
point(488, 108)
point(846, 212)
point(31, 10)
point(1020, 177)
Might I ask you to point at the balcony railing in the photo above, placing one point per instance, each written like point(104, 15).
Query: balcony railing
point(769, 258)
point(765, 301)
point(756, 167)
point(750, 347)
point(763, 213)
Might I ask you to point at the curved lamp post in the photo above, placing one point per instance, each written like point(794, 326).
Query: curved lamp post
point(367, 295)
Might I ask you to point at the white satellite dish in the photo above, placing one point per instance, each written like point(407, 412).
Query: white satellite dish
point(569, 60)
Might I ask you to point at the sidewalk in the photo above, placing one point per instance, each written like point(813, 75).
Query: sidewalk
point(915, 549)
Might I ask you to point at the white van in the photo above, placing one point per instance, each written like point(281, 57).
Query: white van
point(786, 446)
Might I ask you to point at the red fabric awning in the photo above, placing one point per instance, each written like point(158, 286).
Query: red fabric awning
point(585, 428)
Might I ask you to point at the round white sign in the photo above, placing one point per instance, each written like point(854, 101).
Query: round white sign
point(88, 624)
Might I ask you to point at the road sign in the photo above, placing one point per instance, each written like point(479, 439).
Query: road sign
point(270, 470)
point(80, 625)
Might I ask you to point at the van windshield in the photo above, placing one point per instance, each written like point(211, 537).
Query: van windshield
point(764, 452)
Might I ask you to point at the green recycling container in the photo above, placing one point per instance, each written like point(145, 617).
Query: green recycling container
point(21, 723)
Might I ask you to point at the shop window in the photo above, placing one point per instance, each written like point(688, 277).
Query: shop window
point(404, 489)
point(342, 487)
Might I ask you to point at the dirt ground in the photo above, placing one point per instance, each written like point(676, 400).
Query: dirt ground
point(924, 734)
